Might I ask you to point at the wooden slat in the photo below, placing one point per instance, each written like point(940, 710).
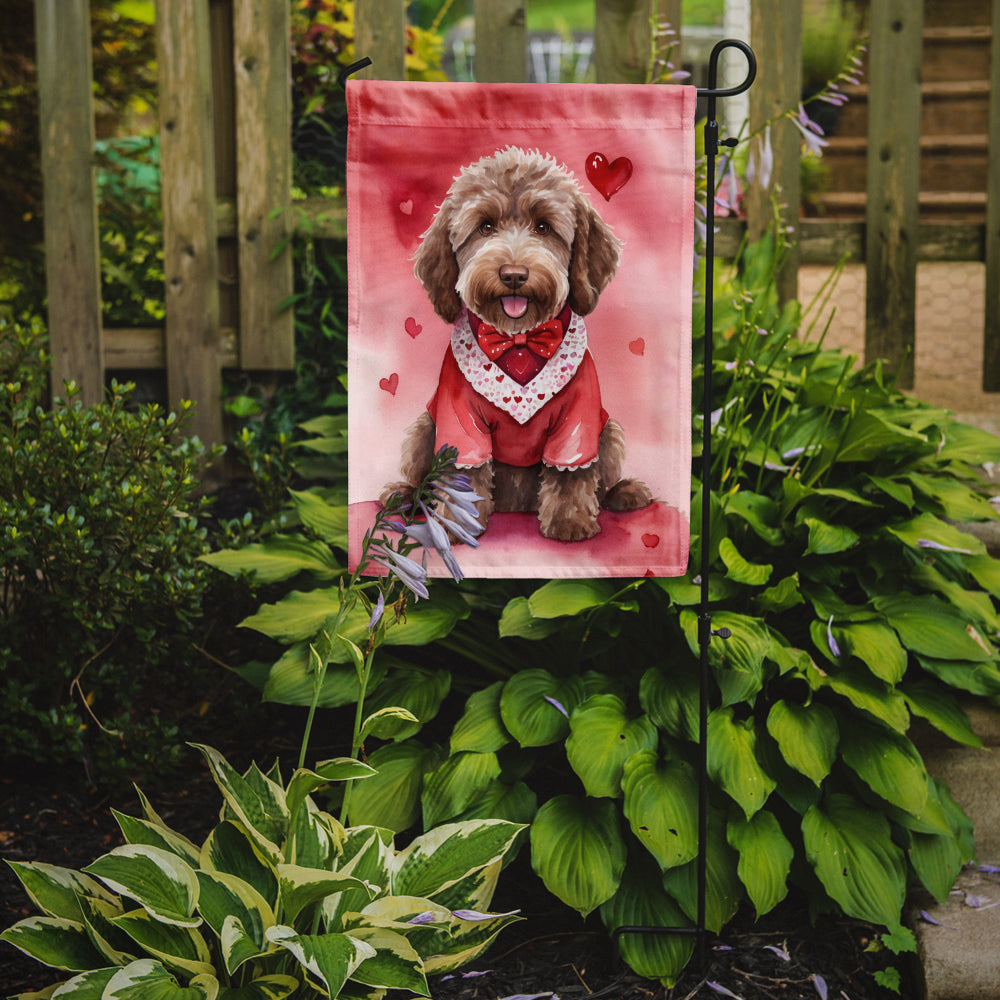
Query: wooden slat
point(501, 41)
point(621, 40)
point(380, 34)
point(190, 254)
point(991, 332)
point(72, 257)
point(893, 184)
point(262, 62)
point(776, 36)
point(144, 348)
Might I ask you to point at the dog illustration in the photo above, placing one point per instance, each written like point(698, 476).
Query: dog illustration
point(515, 257)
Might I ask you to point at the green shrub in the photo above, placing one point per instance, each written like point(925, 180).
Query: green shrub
point(99, 546)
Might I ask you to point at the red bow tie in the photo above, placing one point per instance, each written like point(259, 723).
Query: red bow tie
point(544, 340)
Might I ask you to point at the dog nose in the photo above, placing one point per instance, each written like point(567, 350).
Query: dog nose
point(513, 275)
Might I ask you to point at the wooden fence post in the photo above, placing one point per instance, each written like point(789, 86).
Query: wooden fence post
point(622, 40)
point(991, 332)
point(776, 35)
point(72, 255)
point(190, 251)
point(892, 214)
point(501, 41)
point(380, 34)
point(262, 61)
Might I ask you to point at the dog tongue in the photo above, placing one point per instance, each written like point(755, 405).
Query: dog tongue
point(514, 305)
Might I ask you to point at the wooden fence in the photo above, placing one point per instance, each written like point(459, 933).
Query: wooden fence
point(226, 161)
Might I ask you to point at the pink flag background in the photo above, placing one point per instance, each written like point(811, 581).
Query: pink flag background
point(407, 142)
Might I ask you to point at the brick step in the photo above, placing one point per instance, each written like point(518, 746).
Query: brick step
point(954, 206)
point(947, 162)
point(956, 53)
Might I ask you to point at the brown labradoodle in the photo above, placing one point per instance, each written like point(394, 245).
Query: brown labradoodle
point(515, 258)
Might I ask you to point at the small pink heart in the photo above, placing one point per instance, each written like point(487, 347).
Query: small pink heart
point(608, 178)
point(406, 207)
point(650, 541)
point(413, 328)
point(390, 384)
point(637, 346)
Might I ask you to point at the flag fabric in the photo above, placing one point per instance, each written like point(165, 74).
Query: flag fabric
point(520, 263)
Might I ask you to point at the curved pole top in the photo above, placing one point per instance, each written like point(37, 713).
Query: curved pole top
point(713, 70)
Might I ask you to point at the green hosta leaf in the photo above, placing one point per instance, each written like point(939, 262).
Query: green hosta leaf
point(602, 738)
point(456, 784)
point(965, 443)
point(937, 859)
point(783, 595)
point(723, 889)
point(850, 848)
point(685, 593)
point(975, 605)
point(876, 646)
point(54, 941)
point(301, 887)
point(893, 488)
point(279, 558)
point(986, 571)
point(481, 728)
point(180, 948)
point(387, 723)
point(327, 520)
point(661, 798)
point(671, 700)
point(828, 539)
point(391, 798)
point(141, 831)
point(516, 803)
point(535, 706)
point(738, 569)
point(807, 736)
point(957, 501)
point(888, 763)
point(159, 881)
point(866, 692)
point(641, 901)
point(931, 628)
point(395, 964)
point(260, 806)
point(941, 709)
point(230, 849)
point(56, 891)
point(738, 661)
point(732, 760)
point(976, 678)
point(304, 782)
point(758, 511)
point(291, 680)
point(330, 959)
point(765, 858)
point(147, 979)
point(275, 987)
point(517, 620)
point(928, 528)
point(578, 851)
point(226, 898)
point(415, 689)
point(438, 859)
point(559, 598)
point(870, 436)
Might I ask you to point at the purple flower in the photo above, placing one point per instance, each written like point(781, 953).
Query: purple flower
point(761, 162)
point(558, 705)
point(475, 915)
point(719, 988)
point(927, 543)
point(377, 612)
point(427, 917)
point(811, 132)
point(410, 573)
point(820, 983)
point(834, 648)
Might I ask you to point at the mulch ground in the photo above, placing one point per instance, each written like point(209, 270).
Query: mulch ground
point(551, 952)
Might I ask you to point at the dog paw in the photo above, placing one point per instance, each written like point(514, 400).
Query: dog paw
point(628, 494)
point(569, 530)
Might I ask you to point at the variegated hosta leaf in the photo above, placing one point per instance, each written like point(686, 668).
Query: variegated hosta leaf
point(395, 964)
point(147, 979)
point(456, 784)
point(481, 727)
point(230, 849)
point(177, 947)
point(301, 887)
point(732, 760)
point(888, 763)
point(158, 880)
point(329, 959)
point(141, 831)
point(274, 987)
point(116, 947)
point(55, 941)
point(466, 941)
point(441, 857)
point(602, 737)
point(807, 736)
point(367, 853)
point(765, 858)
point(661, 805)
point(304, 782)
point(86, 986)
point(315, 838)
point(578, 851)
point(642, 902)
point(535, 706)
point(476, 890)
point(256, 801)
point(56, 891)
point(850, 847)
point(225, 897)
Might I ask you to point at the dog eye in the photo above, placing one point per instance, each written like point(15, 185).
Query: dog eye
point(542, 228)
point(487, 229)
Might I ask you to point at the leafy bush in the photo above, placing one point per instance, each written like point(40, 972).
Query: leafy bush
point(280, 899)
point(99, 542)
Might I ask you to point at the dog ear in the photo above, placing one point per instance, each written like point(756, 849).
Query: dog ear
point(593, 260)
point(437, 269)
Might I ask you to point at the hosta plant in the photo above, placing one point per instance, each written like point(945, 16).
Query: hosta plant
point(279, 900)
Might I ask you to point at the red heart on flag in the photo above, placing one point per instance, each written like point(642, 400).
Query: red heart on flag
point(637, 346)
point(412, 327)
point(390, 384)
point(608, 178)
point(650, 541)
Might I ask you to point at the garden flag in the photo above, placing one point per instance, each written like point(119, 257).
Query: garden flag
point(520, 261)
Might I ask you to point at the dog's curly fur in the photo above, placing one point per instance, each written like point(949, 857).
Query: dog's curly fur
point(519, 220)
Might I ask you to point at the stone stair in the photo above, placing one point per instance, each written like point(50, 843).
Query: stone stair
point(955, 92)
